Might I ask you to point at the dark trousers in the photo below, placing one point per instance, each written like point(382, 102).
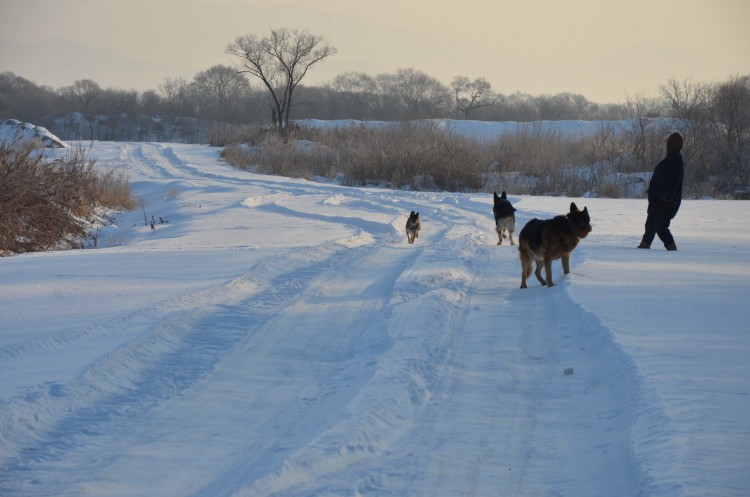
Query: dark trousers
point(657, 224)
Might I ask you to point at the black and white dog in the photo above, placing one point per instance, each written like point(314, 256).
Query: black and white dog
point(413, 225)
point(505, 218)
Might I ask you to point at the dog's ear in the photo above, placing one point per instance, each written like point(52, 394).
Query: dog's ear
point(417, 215)
point(586, 213)
point(503, 196)
point(573, 207)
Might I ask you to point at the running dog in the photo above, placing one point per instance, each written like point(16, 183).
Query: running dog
point(413, 225)
point(505, 218)
point(544, 241)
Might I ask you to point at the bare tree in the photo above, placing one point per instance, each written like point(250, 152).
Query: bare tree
point(731, 104)
point(354, 94)
point(150, 102)
point(82, 93)
point(22, 99)
point(420, 94)
point(280, 61)
point(584, 108)
point(221, 84)
point(687, 100)
point(176, 93)
point(641, 110)
point(472, 95)
point(112, 102)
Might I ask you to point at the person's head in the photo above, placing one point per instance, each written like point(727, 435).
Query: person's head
point(674, 143)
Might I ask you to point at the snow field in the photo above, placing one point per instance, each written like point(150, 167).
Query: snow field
point(280, 337)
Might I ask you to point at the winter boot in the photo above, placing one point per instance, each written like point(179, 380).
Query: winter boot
point(644, 245)
point(671, 246)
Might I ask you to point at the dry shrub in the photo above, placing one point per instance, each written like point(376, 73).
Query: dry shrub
point(222, 135)
point(42, 204)
point(411, 156)
point(535, 160)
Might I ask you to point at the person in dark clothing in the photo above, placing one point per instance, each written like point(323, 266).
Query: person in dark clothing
point(665, 195)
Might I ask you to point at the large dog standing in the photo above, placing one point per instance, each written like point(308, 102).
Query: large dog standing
point(544, 241)
point(413, 225)
point(505, 217)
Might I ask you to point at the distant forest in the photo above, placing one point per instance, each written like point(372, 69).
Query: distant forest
point(220, 105)
point(223, 95)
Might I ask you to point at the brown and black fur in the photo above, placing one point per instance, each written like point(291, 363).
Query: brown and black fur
point(505, 218)
point(413, 225)
point(544, 241)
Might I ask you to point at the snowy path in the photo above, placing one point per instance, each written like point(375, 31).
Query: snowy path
point(279, 337)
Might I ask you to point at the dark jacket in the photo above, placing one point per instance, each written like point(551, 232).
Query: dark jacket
point(665, 187)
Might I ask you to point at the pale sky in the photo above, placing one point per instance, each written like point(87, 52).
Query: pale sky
point(603, 50)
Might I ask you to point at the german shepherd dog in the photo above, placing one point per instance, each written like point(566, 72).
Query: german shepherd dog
point(544, 241)
point(413, 225)
point(505, 218)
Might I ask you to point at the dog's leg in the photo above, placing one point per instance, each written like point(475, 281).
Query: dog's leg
point(510, 235)
point(548, 271)
point(538, 273)
point(566, 262)
point(525, 269)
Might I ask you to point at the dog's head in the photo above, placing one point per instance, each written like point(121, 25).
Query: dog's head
point(580, 220)
point(502, 206)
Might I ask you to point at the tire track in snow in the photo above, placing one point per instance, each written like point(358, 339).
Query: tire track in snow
point(482, 402)
point(383, 412)
point(183, 349)
point(151, 389)
point(435, 376)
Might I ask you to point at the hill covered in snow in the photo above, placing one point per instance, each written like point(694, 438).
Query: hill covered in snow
point(14, 131)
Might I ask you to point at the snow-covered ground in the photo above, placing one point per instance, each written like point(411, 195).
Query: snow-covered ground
point(278, 337)
point(13, 131)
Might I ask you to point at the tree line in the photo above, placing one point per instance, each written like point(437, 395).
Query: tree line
point(715, 117)
point(223, 95)
point(280, 61)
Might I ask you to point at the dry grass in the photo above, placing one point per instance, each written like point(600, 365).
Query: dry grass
point(419, 156)
point(535, 160)
point(410, 156)
point(42, 204)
